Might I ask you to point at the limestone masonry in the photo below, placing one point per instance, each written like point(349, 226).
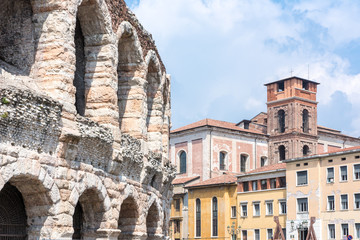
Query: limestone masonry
point(84, 123)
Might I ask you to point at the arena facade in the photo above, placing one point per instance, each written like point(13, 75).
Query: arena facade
point(84, 123)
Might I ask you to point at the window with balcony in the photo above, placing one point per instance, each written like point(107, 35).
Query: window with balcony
point(343, 173)
point(302, 178)
point(331, 203)
point(330, 175)
point(344, 202)
point(302, 205)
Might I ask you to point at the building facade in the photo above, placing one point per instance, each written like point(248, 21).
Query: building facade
point(84, 123)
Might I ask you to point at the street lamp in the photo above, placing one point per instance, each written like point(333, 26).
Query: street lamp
point(232, 231)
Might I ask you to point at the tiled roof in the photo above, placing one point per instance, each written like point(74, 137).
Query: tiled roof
point(184, 180)
point(215, 123)
point(268, 168)
point(339, 150)
point(220, 180)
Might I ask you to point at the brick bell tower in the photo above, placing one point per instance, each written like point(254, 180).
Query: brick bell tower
point(292, 118)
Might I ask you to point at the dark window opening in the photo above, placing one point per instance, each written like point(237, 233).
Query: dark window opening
point(198, 218)
point(222, 160)
point(263, 184)
point(280, 86)
point(246, 186)
point(215, 217)
point(153, 181)
point(182, 162)
point(78, 222)
point(306, 150)
point(281, 118)
point(176, 226)
point(79, 78)
point(305, 85)
point(263, 161)
point(282, 182)
point(282, 152)
point(305, 121)
point(246, 125)
point(177, 205)
point(273, 183)
point(243, 162)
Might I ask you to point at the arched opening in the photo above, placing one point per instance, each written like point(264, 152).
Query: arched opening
point(198, 218)
point(13, 217)
point(182, 162)
point(306, 150)
point(17, 45)
point(78, 222)
point(305, 121)
point(222, 160)
point(263, 161)
point(281, 119)
point(243, 162)
point(214, 217)
point(152, 221)
point(128, 218)
point(282, 152)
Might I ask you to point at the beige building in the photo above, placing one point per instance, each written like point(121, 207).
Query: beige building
point(325, 186)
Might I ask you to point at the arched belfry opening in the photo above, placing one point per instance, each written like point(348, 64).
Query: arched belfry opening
point(129, 216)
point(306, 150)
point(17, 43)
point(152, 221)
point(13, 217)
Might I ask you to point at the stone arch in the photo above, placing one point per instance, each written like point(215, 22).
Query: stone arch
point(154, 121)
point(92, 196)
point(93, 37)
point(128, 218)
point(40, 194)
point(17, 40)
point(130, 68)
point(153, 219)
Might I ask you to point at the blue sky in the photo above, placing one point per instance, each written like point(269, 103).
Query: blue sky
point(221, 52)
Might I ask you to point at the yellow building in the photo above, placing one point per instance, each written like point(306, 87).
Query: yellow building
point(212, 208)
point(261, 196)
point(327, 187)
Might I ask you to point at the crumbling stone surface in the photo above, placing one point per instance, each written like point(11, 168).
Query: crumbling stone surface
point(110, 152)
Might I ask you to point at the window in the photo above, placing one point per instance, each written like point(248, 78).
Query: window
point(254, 185)
point(269, 208)
point(302, 178)
point(263, 161)
point(306, 150)
point(214, 217)
point(244, 210)
point(243, 160)
point(357, 230)
point(302, 205)
point(176, 226)
point(282, 207)
point(177, 205)
point(198, 218)
point(256, 209)
point(263, 184)
point(357, 200)
point(344, 202)
point(244, 234)
point(246, 186)
point(305, 119)
point(343, 173)
point(305, 85)
point(282, 182)
point(222, 157)
point(269, 234)
point(183, 162)
point(257, 234)
point(344, 229)
point(330, 175)
point(281, 118)
point(331, 203)
point(273, 183)
point(357, 171)
point(331, 228)
point(282, 152)
point(280, 86)
point(233, 211)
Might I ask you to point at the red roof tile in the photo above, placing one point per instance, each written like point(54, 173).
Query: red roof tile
point(215, 123)
point(220, 180)
point(268, 168)
point(184, 180)
point(339, 150)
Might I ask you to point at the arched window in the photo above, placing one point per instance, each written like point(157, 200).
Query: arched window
point(281, 152)
point(281, 117)
point(305, 120)
point(198, 218)
point(222, 160)
point(214, 217)
point(183, 162)
point(243, 162)
point(263, 161)
point(306, 150)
